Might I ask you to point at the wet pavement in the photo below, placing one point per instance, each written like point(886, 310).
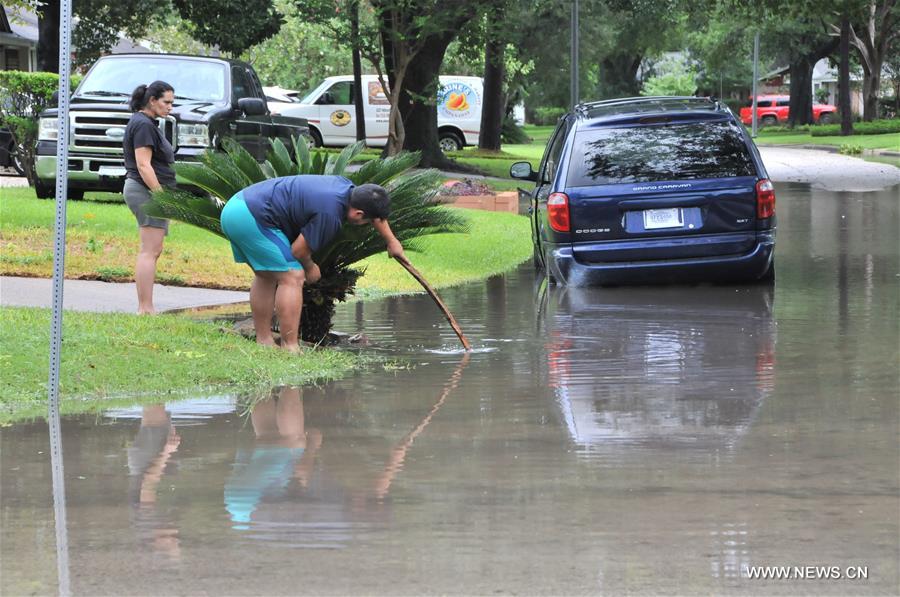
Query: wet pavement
point(602, 441)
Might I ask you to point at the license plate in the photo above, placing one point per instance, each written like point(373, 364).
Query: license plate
point(112, 171)
point(663, 218)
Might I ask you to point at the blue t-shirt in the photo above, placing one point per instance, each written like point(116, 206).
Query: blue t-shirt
point(315, 206)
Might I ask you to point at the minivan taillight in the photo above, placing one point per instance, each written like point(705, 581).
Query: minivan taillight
point(558, 211)
point(765, 199)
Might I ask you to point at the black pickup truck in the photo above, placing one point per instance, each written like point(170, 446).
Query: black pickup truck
point(215, 98)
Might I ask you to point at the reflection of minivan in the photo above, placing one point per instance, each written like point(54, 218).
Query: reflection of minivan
point(330, 111)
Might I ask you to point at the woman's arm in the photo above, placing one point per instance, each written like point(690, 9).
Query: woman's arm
point(143, 155)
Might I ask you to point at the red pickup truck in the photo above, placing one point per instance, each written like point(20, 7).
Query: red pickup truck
point(773, 109)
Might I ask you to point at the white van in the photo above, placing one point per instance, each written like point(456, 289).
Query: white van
point(331, 114)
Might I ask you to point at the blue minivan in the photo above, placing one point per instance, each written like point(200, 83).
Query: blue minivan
point(651, 190)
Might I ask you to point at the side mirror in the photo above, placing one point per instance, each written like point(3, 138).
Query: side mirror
point(54, 98)
point(523, 171)
point(252, 106)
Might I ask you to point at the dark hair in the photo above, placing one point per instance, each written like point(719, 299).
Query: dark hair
point(371, 199)
point(144, 93)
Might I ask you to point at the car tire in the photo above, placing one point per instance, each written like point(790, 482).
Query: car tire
point(768, 276)
point(826, 118)
point(769, 121)
point(44, 190)
point(75, 194)
point(16, 161)
point(449, 141)
point(315, 138)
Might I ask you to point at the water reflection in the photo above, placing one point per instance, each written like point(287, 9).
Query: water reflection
point(676, 366)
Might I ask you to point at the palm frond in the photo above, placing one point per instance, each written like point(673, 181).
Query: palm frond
point(203, 177)
point(318, 163)
point(280, 159)
point(223, 165)
point(382, 170)
point(183, 206)
point(301, 155)
point(344, 158)
point(245, 162)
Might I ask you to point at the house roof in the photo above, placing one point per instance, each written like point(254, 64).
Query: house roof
point(19, 26)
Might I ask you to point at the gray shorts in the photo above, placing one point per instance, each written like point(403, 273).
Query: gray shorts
point(136, 196)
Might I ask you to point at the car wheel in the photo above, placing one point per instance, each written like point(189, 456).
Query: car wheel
point(75, 194)
point(16, 161)
point(769, 121)
point(768, 276)
point(826, 118)
point(44, 190)
point(450, 141)
point(315, 138)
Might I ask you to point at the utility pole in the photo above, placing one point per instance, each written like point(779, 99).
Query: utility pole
point(755, 82)
point(574, 59)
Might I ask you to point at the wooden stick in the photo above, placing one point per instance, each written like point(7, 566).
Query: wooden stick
point(415, 274)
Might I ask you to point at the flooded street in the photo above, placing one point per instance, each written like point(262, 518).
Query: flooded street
point(640, 440)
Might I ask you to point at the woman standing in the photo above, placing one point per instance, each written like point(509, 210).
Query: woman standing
point(148, 160)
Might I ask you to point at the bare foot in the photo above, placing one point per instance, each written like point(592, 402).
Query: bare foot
point(294, 348)
point(265, 341)
point(150, 311)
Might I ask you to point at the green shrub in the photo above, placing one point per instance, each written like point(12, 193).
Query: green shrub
point(850, 149)
point(548, 115)
point(875, 127)
point(23, 96)
point(114, 274)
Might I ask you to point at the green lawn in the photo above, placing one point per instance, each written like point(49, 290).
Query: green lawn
point(101, 241)
point(110, 359)
point(887, 141)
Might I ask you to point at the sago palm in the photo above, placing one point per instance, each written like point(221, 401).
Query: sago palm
point(414, 210)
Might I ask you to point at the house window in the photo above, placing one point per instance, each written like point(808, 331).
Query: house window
point(11, 59)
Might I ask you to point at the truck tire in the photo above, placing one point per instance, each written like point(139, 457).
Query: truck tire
point(826, 118)
point(769, 120)
point(449, 141)
point(15, 160)
point(44, 190)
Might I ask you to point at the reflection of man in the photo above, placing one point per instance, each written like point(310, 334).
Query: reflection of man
point(283, 450)
point(148, 459)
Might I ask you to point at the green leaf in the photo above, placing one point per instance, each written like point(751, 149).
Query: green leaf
point(280, 159)
point(185, 207)
point(301, 154)
point(344, 158)
point(245, 162)
point(200, 175)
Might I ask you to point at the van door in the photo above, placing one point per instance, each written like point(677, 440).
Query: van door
point(337, 114)
point(378, 111)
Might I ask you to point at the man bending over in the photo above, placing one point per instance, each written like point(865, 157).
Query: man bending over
point(276, 225)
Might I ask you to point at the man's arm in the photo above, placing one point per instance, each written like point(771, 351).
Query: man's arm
point(394, 248)
point(301, 251)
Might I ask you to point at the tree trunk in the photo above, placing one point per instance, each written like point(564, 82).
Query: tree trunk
point(844, 77)
point(800, 110)
point(48, 36)
point(871, 85)
point(618, 76)
point(493, 106)
point(420, 117)
point(357, 73)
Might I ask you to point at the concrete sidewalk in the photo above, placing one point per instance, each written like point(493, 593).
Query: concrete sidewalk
point(89, 295)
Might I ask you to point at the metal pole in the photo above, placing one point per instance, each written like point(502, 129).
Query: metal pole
point(574, 59)
point(59, 258)
point(755, 82)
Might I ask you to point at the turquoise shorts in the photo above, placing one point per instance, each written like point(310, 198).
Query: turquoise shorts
point(266, 249)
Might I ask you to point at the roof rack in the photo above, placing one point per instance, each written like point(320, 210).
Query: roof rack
point(637, 105)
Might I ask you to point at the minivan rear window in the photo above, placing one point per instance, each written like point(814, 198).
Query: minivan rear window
point(653, 153)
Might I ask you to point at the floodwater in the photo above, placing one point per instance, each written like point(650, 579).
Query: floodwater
point(627, 440)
